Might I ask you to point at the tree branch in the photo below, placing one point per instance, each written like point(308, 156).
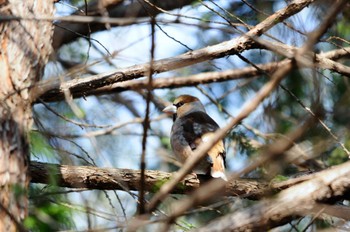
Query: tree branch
point(297, 200)
point(66, 32)
point(330, 184)
point(81, 87)
point(323, 62)
point(129, 180)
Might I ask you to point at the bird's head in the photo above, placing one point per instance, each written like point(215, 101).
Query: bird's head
point(184, 105)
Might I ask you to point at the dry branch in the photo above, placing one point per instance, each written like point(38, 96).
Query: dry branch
point(81, 87)
point(301, 195)
point(297, 200)
point(173, 82)
point(127, 180)
point(66, 32)
point(323, 62)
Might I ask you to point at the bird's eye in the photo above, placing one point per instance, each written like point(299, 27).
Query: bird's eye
point(178, 104)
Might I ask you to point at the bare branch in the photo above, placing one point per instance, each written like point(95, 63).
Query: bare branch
point(127, 179)
point(328, 22)
point(90, 177)
point(146, 123)
point(66, 32)
point(324, 185)
point(237, 45)
point(324, 61)
point(79, 87)
point(296, 200)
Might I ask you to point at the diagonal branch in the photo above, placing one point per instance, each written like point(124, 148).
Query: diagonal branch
point(323, 61)
point(201, 151)
point(297, 200)
point(230, 47)
point(213, 188)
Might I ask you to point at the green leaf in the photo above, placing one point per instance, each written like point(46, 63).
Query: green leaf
point(39, 145)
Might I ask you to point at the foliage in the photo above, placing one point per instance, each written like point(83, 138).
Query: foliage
point(46, 214)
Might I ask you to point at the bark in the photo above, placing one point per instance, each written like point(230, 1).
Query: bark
point(86, 86)
point(25, 46)
point(66, 32)
point(128, 180)
point(326, 186)
point(81, 87)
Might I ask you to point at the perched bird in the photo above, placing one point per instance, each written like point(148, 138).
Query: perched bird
point(193, 126)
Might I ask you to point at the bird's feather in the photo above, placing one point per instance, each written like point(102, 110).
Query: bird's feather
point(191, 127)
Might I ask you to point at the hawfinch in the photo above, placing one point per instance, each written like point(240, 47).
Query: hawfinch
point(192, 126)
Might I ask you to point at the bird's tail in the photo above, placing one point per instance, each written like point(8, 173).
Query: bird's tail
point(218, 168)
point(216, 154)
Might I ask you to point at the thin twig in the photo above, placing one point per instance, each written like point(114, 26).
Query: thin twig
point(323, 124)
point(68, 119)
point(146, 122)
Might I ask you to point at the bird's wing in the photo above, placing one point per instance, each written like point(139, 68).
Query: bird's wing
point(198, 127)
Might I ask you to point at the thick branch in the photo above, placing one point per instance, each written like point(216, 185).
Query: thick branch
point(81, 87)
point(297, 200)
point(174, 82)
point(128, 179)
point(203, 78)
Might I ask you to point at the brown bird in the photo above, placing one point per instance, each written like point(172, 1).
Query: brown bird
point(193, 126)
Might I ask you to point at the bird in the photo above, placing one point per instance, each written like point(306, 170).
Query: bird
point(191, 127)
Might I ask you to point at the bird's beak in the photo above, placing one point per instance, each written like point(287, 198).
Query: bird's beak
point(170, 109)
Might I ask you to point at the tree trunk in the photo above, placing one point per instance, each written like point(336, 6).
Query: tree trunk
point(25, 47)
